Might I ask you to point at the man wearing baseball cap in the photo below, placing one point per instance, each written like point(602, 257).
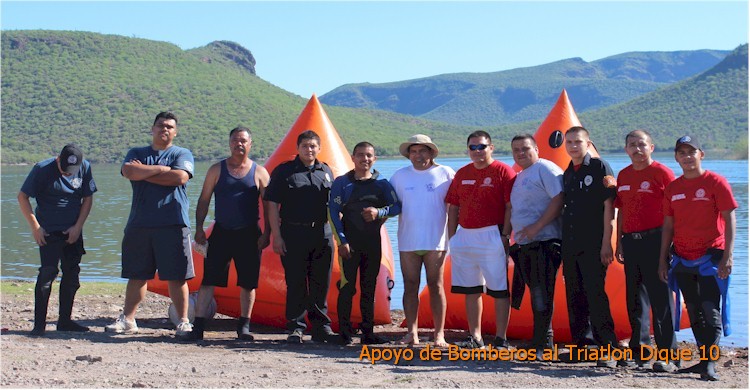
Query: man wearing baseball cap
point(63, 188)
point(696, 249)
point(422, 231)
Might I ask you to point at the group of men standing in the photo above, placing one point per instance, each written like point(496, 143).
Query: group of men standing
point(680, 230)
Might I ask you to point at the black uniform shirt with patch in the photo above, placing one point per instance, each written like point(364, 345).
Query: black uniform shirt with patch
point(301, 191)
point(583, 214)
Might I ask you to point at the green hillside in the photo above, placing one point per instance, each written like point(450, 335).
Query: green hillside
point(712, 106)
point(523, 94)
point(102, 92)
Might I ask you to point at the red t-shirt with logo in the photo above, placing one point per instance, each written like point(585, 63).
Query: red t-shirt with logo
point(481, 194)
point(640, 195)
point(696, 205)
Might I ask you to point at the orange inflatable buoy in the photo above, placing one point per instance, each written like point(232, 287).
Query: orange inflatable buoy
point(270, 296)
point(550, 138)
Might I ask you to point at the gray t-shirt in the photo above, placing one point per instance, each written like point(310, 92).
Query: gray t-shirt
point(532, 192)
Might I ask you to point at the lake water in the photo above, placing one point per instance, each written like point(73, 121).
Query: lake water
point(103, 229)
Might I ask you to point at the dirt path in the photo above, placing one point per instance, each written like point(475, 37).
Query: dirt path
point(153, 358)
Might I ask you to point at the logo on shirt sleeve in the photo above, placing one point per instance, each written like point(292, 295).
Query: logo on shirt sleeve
point(92, 185)
point(189, 166)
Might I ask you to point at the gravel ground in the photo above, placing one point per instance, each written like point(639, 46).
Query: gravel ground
point(153, 358)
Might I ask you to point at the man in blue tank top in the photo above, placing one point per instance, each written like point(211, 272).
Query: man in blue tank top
point(64, 191)
point(157, 235)
point(360, 203)
point(236, 183)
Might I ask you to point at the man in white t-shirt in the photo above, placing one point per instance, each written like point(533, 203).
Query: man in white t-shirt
point(422, 234)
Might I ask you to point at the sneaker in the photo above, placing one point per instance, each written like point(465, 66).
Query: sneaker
point(70, 326)
point(372, 338)
point(607, 363)
point(183, 329)
point(471, 343)
point(295, 337)
point(122, 325)
point(500, 343)
point(660, 366)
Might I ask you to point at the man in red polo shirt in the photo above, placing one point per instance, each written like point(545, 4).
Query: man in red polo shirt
point(477, 200)
point(640, 190)
point(699, 223)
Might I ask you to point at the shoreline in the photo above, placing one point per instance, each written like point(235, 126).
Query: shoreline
point(153, 358)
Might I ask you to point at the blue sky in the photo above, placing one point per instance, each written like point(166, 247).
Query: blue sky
point(313, 47)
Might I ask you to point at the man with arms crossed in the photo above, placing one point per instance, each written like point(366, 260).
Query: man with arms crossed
point(237, 184)
point(422, 231)
point(537, 201)
point(157, 235)
point(478, 199)
point(64, 191)
point(640, 191)
point(360, 203)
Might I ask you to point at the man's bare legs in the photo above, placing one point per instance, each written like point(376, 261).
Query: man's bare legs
point(178, 292)
point(474, 315)
point(411, 270)
point(434, 263)
point(502, 315)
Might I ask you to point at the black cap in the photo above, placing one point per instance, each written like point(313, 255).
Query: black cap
point(687, 140)
point(71, 159)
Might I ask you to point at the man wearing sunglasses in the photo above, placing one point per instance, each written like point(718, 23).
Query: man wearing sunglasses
point(477, 200)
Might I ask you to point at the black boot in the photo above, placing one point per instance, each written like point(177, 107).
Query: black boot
point(243, 329)
point(42, 291)
point(196, 334)
point(68, 287)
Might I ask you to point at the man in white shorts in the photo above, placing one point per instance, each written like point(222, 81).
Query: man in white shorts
point(422, 233)
point(477, 200)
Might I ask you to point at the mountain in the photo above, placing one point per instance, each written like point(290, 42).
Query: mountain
point(713, 106)
point(523, 94)
point(103, 91)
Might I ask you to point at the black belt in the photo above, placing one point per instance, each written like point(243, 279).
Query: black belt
point(303, 224)
point(640, 235)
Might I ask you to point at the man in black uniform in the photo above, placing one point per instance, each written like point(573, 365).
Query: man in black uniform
point(588, 223)
point(297, 199)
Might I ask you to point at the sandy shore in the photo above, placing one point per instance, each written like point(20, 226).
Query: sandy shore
point(153, 358)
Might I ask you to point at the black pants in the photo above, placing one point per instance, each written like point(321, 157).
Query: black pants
point(366, 254)
point(307, 270)
point(643, 290)
point(702, 300)
point(68, 256)
point(538, 263)
point(588, 304)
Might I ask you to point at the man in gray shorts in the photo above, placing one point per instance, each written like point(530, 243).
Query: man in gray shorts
point(236, 183)
point(157, 235)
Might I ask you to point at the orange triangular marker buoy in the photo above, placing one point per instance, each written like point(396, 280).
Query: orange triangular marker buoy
point(332, 149)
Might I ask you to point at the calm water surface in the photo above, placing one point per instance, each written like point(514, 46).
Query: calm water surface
point(103, 229)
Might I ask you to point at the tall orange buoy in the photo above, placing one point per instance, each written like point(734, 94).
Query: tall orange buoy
point(550, 138)
point(271, 292)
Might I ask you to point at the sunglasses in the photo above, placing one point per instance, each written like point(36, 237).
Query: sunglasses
point(478, 147)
